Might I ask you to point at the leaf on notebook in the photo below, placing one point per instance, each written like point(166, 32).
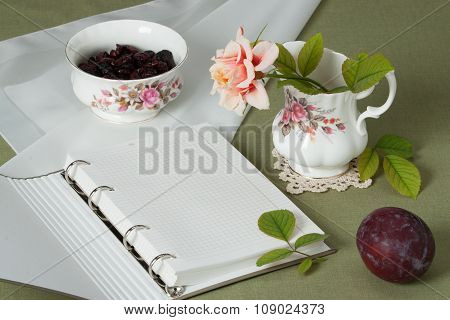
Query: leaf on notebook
point(309, 239)
point(319, 260)
point(273, 256)
point(278, 224)
point(305, 265)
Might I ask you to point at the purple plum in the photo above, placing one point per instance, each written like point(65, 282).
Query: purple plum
point(395, 244)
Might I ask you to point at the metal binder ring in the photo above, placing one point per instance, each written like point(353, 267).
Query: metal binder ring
point(173, 292)
point(69, 179)
point(93, 206)
point(127, 245)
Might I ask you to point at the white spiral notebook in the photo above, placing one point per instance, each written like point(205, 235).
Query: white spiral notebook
point(169, 216)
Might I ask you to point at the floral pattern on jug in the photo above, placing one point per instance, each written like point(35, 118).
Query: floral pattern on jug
point(309, 118)
point(141, 96)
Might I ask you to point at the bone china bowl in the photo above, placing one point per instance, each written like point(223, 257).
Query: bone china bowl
point(125, 101)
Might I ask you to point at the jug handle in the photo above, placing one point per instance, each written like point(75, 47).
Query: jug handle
point(376, 112)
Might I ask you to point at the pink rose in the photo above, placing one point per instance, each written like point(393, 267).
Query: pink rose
point(298, 112)
point(235, 73)
point(294, 112)
point(340, 126)
point(149, 97)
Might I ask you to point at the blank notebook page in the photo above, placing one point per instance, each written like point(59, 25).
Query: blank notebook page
point(200, 197)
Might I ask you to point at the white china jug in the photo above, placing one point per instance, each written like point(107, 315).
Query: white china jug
point(321, 134)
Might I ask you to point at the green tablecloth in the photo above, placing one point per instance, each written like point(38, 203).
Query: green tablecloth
point(418, 46)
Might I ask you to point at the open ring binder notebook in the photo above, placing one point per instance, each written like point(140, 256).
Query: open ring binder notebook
point(169, 216)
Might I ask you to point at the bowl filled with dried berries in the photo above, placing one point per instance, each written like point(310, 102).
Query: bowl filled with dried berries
point(126, 70)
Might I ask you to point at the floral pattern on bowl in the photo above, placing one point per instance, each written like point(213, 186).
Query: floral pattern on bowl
point(140, 96)
point(309, 118)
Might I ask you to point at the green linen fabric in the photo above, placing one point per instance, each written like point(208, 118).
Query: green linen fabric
point(413, 34)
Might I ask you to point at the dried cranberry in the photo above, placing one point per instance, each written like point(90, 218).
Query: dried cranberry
point(127, 66)
point(167, 57)
point(120, 49)
point(162, 67)
point(125, 48)
point(131, 49)
point(105, 68)
point(124, 72)
point(141, 58)
point(123, 60)
point(127, 62)
point(135, 75)
point(152, 64)
point(89, 68)
point(114, 54)
point(150, 53)
point(148, 72)
point(108, 61)
point(110, 76)
point(100, 56)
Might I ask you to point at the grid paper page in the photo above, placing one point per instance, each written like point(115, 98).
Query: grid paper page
point(200, 197)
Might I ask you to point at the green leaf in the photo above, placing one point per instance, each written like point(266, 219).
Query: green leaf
point(365, 72)
point(402, 175)
point(278, 224)
point(319, 260)
point(285, 62)
point(362, 56)
point(300, 85)
point(368, 163)
point(338, 89)
point(392, 144)
point(305, 265)
point(273, 256)
point(309, 239)
point(310, 55)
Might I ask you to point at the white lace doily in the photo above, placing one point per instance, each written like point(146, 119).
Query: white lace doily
point(298, 184)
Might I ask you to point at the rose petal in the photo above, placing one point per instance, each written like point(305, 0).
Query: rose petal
point(245, 44)
point(232, 52)
point(250, 71)
point(257, 96)
point(264, 55)
point(228, 100)
point(219, 53)
point(240, 107)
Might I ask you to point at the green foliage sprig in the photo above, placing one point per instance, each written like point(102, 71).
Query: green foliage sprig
point(402, 174)
point(359, 74)
point(280, 224)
